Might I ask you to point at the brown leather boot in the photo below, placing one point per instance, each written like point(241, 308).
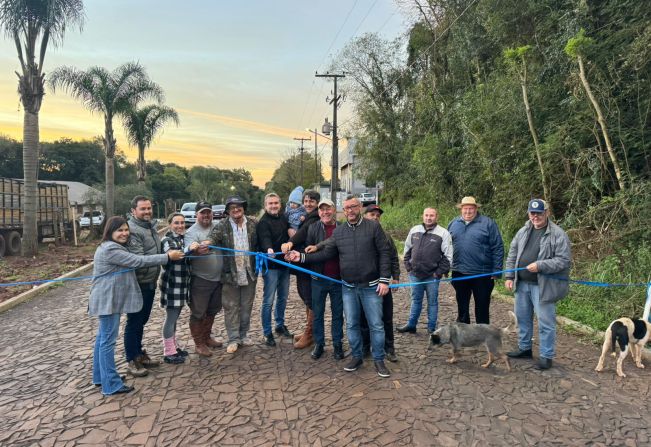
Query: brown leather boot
point(307, 339)
point(297, 337)
point(207, 329)
point(196, 330)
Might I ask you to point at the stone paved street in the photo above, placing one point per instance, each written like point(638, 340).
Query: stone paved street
point(280, 396)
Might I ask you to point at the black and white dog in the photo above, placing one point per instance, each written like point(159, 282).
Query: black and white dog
point(625, 332)
point(461, 335)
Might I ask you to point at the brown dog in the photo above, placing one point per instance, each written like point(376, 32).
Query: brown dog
point(625, 332)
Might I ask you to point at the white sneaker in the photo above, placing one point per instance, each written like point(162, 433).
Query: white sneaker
point(246, 341)
point(232, 348)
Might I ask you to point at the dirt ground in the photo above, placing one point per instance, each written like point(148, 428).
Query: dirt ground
point(51, 262)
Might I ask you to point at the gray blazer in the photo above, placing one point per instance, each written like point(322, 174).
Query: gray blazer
point(554, 259)
point(117, 293)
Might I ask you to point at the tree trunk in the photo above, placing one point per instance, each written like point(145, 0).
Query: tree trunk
point(602, 124)
point(109, 149)
point(141, 164)
point(30, 193)
point(534, 136)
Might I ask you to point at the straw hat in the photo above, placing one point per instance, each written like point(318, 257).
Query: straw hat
point(468, 200)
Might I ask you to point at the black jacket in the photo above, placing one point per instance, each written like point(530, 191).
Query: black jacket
point(272, 233)
point(316, 234)
point(298, 240)
point(395, 260)
point(364, 253)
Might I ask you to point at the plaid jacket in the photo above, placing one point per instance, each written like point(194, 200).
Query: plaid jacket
point(175, 281)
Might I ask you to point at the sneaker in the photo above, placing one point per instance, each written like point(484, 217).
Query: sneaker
point(231, 348)
point(381, 369)
point(246, 341)
point(406, 328)
point(182, 352)
point(391, 356)
point(125, 389)
point(543, 364)
point(520, 354)
point(136, 369)
point(147, 361)
point(353, 365)
point(283, 331)
point(174, 359)
point(269, 340)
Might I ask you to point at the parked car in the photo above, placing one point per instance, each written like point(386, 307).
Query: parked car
point(84, 220)
point(189, 213)
point(367, 198)
point(218, 212)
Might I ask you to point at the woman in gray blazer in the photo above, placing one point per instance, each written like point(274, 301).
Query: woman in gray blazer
point(115, 291)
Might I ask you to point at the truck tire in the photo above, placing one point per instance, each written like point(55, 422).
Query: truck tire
point(14, 243)
point(3, 245)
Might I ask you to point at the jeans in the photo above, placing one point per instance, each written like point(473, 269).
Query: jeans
point(417, 292)
point(320, 289)
point(481, 288)
point(104, 371)
point(387, 319)
point(356, 301)
point(238, 303)
point(527, 301)
point(276, 285)
point(135, 327)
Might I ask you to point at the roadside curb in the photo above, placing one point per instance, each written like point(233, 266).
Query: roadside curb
point(26, 296)
point(575, 326)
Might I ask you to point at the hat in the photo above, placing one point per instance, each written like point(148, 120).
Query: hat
point(235, 200)
point(203, 205)
point(373, 208)
point(326, 202)
point(537, 206)
point(296, 195)
point(468, 200)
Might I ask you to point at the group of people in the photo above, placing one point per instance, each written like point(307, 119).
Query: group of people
point(354, 262)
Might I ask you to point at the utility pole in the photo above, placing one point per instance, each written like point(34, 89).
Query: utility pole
point(316, 160)
point(302, 149)
point(335, 140)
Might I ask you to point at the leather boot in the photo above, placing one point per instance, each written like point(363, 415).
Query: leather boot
point(297, 337)
point(307, 339)
point(207, 329)
point(196, 330)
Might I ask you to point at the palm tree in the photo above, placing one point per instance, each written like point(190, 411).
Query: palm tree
point(32, 25)
point(142, 125)
point(111, 94)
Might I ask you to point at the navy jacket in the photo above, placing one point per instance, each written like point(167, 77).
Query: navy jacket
point(478, 246)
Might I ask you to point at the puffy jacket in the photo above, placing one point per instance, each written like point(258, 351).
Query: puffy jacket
point(428, 252)
point(478, 246)
point(272, 233)
point(554, 259)
point(363, 250)
point(144, 240)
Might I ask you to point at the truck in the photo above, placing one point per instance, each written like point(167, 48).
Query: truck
point(53, 220)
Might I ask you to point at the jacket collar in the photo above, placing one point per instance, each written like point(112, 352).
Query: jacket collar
point(141, 223)
point(356, 224)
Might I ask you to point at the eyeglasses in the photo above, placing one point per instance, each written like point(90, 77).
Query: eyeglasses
point(351, 207)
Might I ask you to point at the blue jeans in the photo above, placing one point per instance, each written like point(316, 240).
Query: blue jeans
point(417, 292)
point(320, 289)
point(104, 371)
point(527, 301)
point(135, 327)
point(356, 301)
point(276, 282)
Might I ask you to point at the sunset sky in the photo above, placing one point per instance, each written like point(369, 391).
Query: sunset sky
point(240, 74)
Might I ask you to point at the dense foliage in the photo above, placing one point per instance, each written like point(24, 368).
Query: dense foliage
point(446, 116)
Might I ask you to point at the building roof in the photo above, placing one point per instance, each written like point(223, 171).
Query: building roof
point(78, 192)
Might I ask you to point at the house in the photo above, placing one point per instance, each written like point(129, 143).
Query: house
point(81, 196)
point(350, 178)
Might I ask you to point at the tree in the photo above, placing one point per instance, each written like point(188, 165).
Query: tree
point(142, 125)
point(576, 48)
point(517, 58)
point(287, 175)
point(32, 25)
point(113, 94)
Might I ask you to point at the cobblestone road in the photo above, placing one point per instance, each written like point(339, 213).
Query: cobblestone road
point(280, 396)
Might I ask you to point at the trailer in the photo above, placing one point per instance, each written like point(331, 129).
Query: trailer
point(53, 220)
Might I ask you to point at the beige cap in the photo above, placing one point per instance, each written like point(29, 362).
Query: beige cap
point(468, 200)
point(326, 202)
